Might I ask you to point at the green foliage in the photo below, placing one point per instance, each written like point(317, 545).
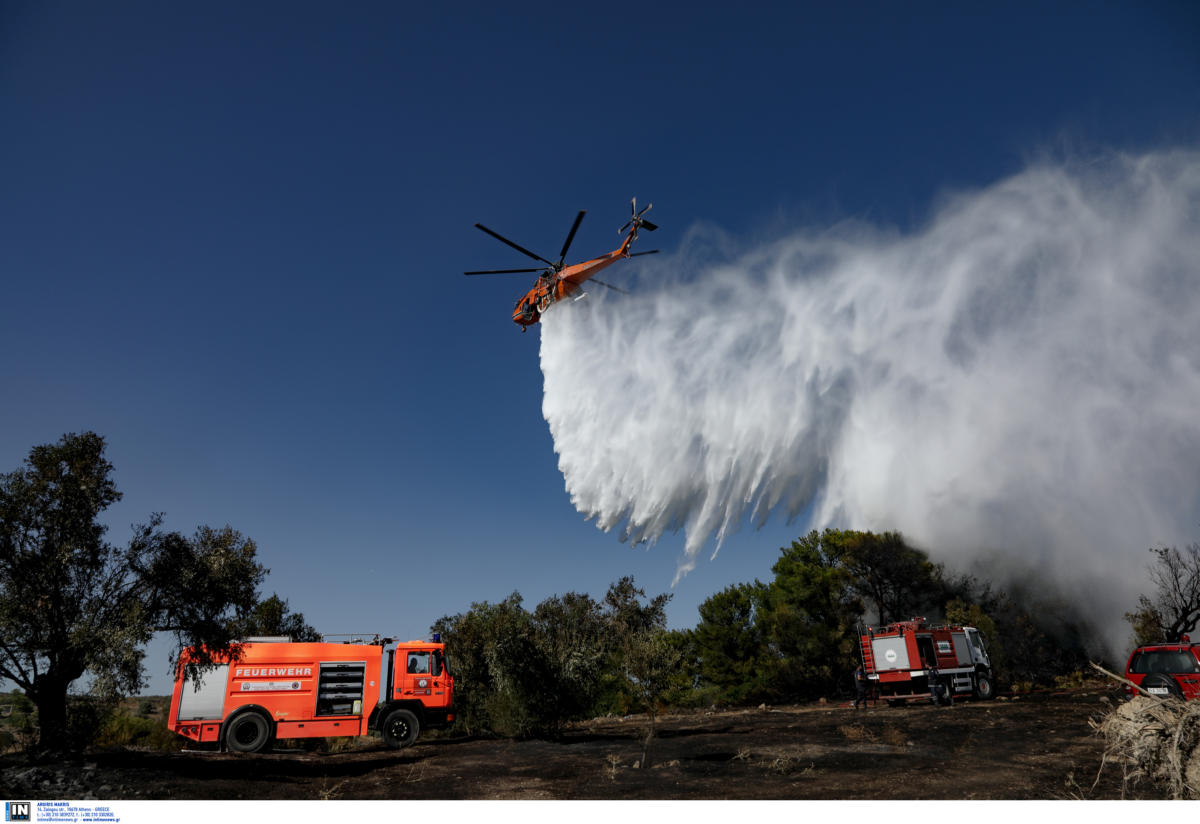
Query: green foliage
point(730, 651)
point(271, 617)
point(132, 732)
point(526, 674)
point(1147, 624)
point(628, 619)
point(897, 580)
point(650, 663)
point(809, 614)
point(475, 646)
point(959, 611)
point(86, 716)
point(18, 701)
point(18, 722)
point(686, 689)
point(571, 635)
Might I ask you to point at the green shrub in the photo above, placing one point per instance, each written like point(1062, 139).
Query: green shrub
point(20, 730)
point(137, 733)
point(19, 701)
point(86, 716)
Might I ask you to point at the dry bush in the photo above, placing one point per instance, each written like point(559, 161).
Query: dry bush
point(329, 792)
point(341, 743)
point(1073, 680)
point(894, 736)
point(614, 761)
point(857, 732)
point(787, 765)
point(1155, 741)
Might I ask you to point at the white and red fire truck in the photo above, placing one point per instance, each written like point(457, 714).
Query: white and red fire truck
point(280, 689)
point(910, 659)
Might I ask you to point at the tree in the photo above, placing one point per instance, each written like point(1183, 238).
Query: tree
point(72, 603)
point(651, 663)
point(810, 614)
point(572, 640)
point(525, 674)
point(272, 617)
point(730, 645)
point(898, 580)
point(644, 655)
point(1173, 609)
point(479, 646)
point(959, 611)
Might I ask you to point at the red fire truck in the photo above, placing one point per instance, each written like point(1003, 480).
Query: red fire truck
point(911, 659)
point(280, 689)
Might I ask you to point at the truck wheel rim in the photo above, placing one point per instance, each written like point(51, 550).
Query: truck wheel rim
point(398, 729)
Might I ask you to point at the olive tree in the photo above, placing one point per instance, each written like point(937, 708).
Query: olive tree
point(74, 604)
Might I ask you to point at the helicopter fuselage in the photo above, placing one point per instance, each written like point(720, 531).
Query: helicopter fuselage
point(553, 287)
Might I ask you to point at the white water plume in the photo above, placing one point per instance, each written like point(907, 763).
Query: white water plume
point(1021, 374)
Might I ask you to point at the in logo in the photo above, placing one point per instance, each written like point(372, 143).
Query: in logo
point(16, 811)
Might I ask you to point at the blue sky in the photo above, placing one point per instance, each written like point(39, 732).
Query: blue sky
point(232, 238)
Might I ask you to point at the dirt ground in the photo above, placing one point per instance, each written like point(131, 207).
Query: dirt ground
point(1028, 747)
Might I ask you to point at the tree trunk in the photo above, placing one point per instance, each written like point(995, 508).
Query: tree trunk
point(49, 695)
point(646, 745)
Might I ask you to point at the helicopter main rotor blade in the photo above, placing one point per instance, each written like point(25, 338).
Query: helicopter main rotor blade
point(571, 235)
point(500, 271)
point(505, 240)
point(610, 286)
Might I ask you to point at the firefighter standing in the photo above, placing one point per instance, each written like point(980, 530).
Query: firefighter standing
point(860, 687)
point(939, 692)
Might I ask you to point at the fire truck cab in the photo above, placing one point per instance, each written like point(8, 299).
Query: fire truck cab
point(909, 659)
point(279, 689)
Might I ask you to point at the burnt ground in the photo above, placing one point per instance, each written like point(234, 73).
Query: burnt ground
point(1028, 747)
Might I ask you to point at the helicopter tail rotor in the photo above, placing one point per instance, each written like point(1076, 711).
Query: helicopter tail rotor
point(637, 221)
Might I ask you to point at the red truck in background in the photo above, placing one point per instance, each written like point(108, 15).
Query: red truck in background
point(910, 659)
point(282, 689)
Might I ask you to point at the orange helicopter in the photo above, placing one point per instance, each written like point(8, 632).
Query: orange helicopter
point(559, 281)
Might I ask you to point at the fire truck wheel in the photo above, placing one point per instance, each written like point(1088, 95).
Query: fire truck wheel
point(983, 687)
point(248, 732)
point(400, 729)
point(1159, 681)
